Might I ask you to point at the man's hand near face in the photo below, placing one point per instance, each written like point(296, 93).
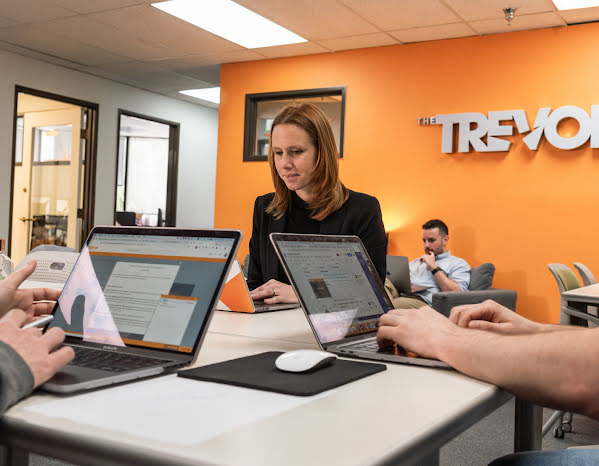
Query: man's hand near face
point(429, 260)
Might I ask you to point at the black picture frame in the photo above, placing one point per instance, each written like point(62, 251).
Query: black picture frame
point(254, 148)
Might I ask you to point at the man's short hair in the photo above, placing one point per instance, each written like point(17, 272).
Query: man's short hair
point(436, 224)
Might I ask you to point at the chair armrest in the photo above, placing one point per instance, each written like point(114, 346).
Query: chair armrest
point(444, 301)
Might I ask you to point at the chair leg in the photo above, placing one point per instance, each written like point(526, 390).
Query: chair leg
point(555, 417)
point(567, 423)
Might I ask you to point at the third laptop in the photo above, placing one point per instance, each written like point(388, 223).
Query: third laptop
point(341, 294)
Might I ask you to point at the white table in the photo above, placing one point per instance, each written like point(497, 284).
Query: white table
point(401, 415)
point(586, 294)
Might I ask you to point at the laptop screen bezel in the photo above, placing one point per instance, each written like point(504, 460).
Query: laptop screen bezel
point(275, 237)
point(164, 231)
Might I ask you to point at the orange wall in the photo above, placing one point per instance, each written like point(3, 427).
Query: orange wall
point(519, 209)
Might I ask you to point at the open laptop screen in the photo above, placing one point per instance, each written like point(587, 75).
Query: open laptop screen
point(147, 289)
point(336, 282)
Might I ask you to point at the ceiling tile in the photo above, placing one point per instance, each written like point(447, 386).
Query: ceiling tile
point(146, 76)
point(197, 69)
point(493, 9)
point(445, 31)
point(180, 38)
point(191, 61)
point(391, 15)
point(31, 37)
point(5, 22)
point(32, 11)
point(79, 6)
point(91, 32)
point(359, 42)
point(491, 26)
point(305, 48)
point(581, 15)
point(312, 19)
point(25, 52)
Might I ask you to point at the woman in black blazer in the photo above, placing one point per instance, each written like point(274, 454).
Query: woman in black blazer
point(308, 198)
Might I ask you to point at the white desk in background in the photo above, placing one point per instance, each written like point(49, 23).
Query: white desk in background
point(401, 415)
point(586, 294)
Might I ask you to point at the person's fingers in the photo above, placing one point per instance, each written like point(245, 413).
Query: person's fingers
point(40, 309)
point(17, 316)
point(454, 314)
point(55, 361)
point(391, 319)
point(53, 338)
point(384, 336)
point(481, 324)
point(16, 278)
point(35, 331)
point(45, 294)
point(465, 314)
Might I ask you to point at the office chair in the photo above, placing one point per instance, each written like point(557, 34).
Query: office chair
point(126, 219)
point(566, 280)
point(585, 274)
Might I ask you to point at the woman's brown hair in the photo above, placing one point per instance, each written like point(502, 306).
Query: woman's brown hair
point(330, 193)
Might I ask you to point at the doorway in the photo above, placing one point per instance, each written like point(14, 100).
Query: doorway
point(52, 171)
point(147, 161)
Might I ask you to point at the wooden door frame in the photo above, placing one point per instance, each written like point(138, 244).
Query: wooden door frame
point(173, 163)
point(89, 194)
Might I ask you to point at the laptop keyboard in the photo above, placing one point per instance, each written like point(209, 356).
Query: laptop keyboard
point(113, 362)
point(369, 345)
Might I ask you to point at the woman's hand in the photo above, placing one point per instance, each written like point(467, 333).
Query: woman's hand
point(273, 292)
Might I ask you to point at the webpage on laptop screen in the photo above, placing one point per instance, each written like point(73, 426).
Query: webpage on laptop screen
point(152, 291)
point(336, 285)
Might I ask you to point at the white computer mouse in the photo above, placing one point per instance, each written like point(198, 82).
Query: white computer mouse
point(303, 360)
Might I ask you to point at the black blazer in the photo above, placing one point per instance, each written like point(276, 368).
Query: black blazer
point(360, 215)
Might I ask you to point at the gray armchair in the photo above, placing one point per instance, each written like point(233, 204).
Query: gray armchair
point(479, 290)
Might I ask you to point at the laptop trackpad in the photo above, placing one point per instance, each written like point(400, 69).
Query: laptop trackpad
point(73, 374)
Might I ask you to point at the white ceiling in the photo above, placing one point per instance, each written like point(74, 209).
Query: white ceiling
point(133, 43)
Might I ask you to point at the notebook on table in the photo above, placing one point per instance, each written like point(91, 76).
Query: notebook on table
point(342, 295)
point(138, 302)
point(236, 295)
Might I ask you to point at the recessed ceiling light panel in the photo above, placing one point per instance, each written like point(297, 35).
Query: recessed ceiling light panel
point(230, 21)
point(574, 4)
point(210, 94)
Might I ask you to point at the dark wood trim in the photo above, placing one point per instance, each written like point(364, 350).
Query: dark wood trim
point(89, 188)
point(251, 111)
point(12, 170)
point(60, 98)
point(173, 171)
point(126, 170)
point(90, 158)
point(173, 164)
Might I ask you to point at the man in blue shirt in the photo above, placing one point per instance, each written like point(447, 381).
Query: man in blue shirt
point(436, 270)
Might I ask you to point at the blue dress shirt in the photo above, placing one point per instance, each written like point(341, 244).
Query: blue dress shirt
point(455, 268)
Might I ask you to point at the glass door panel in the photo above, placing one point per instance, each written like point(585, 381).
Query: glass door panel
point(46, 184)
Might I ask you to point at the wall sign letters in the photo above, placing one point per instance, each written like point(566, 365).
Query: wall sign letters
point(472, 127)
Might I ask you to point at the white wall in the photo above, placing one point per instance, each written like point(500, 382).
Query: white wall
point(197, 141)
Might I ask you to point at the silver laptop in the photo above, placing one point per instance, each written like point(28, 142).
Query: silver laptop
point(138, 302)
point(398, 271)
point(341, 294)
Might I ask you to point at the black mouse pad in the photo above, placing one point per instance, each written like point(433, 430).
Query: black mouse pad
point(259, 372)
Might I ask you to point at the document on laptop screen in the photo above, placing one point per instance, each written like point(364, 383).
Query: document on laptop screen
point(336, 286)
point(142, 290)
